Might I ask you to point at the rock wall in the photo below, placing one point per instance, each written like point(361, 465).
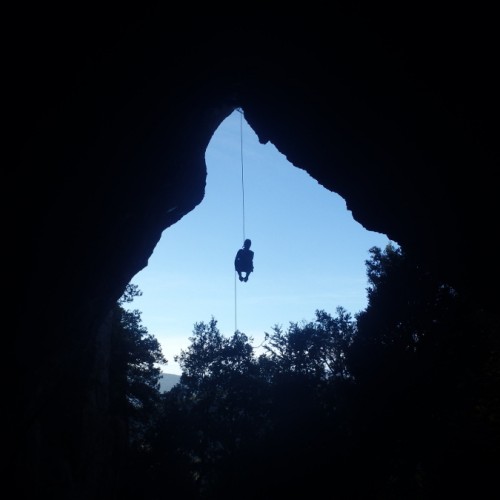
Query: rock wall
point(112, 111)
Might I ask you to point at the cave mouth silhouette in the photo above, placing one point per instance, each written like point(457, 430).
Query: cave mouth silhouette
point(311, 252)
point(111, 119)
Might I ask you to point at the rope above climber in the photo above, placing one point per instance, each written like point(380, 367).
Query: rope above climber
point(243, 262)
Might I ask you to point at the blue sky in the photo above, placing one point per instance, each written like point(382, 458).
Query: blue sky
point(309, 252)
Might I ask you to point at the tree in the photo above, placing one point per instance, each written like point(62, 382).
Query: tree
point(418, 359)
point(233, 418)
point(214, 413)
point(134, 371)
point(213, 356)
point(316, 349)
point(394, 398)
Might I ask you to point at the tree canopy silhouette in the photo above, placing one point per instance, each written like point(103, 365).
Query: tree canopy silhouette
point(388, 404)
point(134, 382)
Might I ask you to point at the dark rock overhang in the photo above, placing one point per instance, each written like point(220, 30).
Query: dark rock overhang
point(394, 111)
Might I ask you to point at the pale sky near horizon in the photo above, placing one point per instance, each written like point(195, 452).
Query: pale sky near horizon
point(309, 252)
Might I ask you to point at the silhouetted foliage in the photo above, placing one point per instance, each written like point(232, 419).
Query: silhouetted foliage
point(219, 406)
point(134, 380)
point(233, 416)
point(136, 354)
point(391, 404)
point(315, 349)
point(211, 356)
point(417, 358)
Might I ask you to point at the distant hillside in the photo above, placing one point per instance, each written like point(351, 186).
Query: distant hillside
point(167, 381)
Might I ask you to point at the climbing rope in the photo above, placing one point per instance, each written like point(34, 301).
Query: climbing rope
point(242, 171)
point(243, 216)
point(235, 306)
point(244, 236)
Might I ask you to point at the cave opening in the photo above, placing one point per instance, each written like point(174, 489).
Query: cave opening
point(309, 251)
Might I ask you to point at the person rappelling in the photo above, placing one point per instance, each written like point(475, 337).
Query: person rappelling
point(243, 262)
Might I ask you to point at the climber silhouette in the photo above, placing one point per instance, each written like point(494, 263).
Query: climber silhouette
point(243, 262)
